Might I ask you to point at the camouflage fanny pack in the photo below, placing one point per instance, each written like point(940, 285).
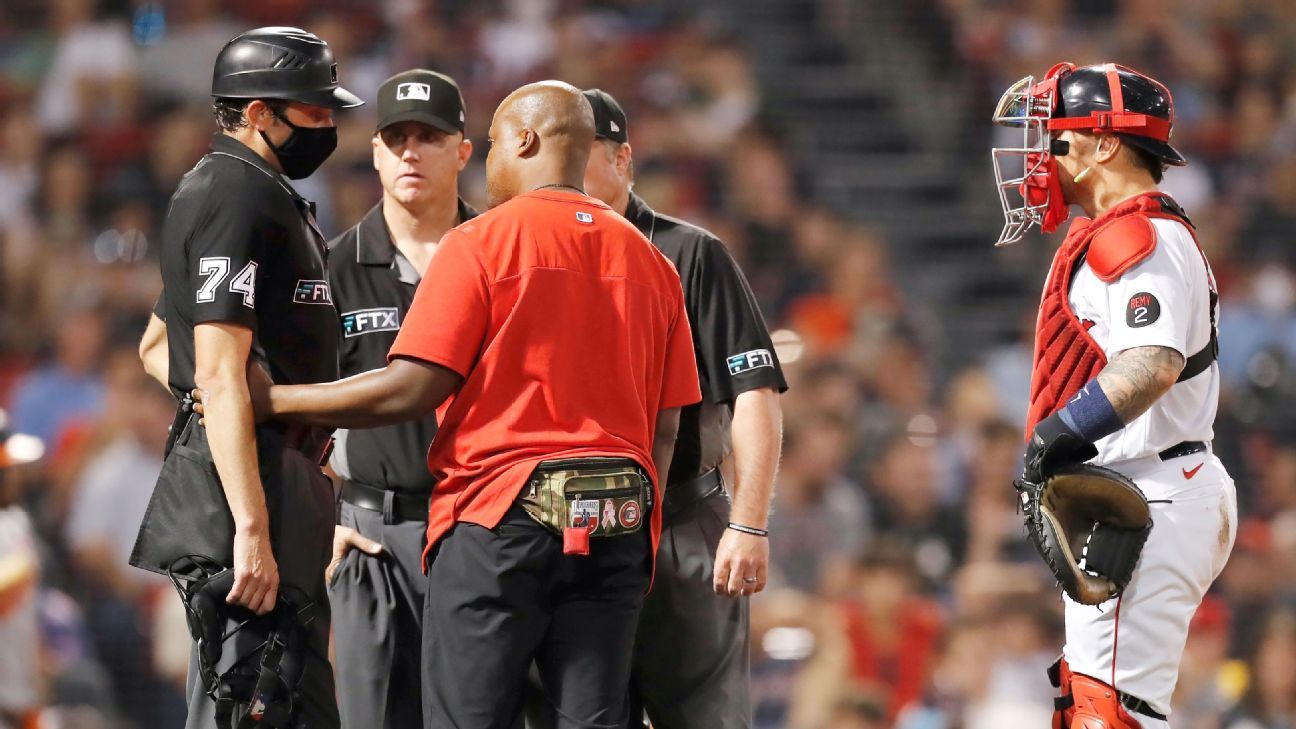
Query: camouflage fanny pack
point(602, 497)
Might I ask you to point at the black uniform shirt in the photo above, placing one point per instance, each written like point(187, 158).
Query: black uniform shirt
point(239, 245)
point(733, 346)
point(373, 285)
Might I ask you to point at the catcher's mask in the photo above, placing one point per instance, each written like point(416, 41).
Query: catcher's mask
point(255, 686)
point(1103, 98)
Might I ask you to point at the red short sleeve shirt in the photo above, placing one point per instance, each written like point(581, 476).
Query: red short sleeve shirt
point(569, 329)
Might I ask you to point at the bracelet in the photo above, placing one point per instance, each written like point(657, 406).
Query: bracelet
point(749, 530)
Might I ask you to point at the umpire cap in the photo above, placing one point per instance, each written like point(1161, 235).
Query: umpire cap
point(609, 117)
point(280, 63)
point(423, 96)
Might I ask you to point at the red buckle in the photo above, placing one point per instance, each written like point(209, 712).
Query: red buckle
point(1102, 119)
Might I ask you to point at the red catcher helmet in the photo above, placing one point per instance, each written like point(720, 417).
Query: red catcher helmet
point(1102, 98)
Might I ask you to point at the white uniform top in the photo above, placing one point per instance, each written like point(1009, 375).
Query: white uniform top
point(1164, 301)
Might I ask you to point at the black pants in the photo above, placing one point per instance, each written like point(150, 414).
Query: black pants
point(377, 606)
point(500, 598)
point(691, 660)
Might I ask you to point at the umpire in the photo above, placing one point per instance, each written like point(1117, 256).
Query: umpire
point(244, 277)
point(376, 583)
point(712, 550)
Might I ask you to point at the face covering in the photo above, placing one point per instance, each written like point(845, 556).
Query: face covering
point(304, 150)
point(1043, 186)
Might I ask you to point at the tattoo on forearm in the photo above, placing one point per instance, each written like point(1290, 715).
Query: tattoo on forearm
point(1136, 378)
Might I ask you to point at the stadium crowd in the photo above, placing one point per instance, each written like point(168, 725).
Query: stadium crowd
point(903, 594)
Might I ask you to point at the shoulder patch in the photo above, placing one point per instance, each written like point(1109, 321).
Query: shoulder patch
point(1120, 245)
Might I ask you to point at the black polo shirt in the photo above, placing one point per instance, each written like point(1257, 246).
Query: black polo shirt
point(733, 347)
point(373, 285)
point(240, 246)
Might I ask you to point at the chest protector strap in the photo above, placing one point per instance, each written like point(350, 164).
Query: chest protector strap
point(1066, 356)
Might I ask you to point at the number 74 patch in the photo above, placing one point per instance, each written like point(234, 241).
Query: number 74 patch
point(1143, 309)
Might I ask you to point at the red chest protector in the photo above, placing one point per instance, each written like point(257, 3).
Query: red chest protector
point(1066, 357)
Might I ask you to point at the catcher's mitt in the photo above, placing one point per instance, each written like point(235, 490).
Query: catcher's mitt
point(1089, 524)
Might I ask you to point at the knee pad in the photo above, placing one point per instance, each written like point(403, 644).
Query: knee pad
point(1084, 702)
point(258, 687)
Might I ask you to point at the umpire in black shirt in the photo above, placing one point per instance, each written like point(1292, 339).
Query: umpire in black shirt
point(376, 582)
point(244, 280)
point(691, 658)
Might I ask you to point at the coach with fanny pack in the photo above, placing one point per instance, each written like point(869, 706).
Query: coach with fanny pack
point(553, 338)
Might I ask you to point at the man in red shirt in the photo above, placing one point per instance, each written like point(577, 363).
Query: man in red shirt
point(552, 338)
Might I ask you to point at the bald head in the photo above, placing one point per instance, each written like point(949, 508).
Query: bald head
point(540, 135)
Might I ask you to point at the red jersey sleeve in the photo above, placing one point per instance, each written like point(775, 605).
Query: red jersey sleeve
point(680, 384)
point(450, 315)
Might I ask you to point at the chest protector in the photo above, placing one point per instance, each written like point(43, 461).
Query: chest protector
point(1066, 357)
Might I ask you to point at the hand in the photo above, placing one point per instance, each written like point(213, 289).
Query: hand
point(739, 558)
point(1052, 446)
point(344, 540)
point(256, 574)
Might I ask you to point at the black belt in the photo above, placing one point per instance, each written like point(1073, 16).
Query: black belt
point(1134, 703)
point(1186, 448)
point(400, 506)
point(680, 496)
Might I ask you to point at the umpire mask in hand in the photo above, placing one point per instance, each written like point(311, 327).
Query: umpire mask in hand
point(304, 150)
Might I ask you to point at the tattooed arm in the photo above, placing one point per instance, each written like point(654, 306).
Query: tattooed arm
point(1138, 377)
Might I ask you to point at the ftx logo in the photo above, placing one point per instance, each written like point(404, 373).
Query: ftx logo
point(364, 321)
point(748, 361)
point(310, 291)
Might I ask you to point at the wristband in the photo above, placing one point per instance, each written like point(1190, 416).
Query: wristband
point(749, 530)
point(1090, 414)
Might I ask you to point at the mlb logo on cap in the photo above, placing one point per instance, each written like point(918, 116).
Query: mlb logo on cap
point(416, 91)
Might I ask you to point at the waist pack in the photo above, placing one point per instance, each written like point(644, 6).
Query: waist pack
point(603, 497)
point(250, 665)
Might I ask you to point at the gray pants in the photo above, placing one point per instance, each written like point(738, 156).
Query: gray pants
point(691, 655)
point(378, 624)
point(302, 538)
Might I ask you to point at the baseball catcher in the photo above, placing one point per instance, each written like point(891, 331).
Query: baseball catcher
point(1121, 492)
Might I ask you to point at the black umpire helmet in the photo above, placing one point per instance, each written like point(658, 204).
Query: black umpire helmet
point(1117, 99)
point(280, 63)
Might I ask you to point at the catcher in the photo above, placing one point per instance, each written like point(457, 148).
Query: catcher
point(1122, 494)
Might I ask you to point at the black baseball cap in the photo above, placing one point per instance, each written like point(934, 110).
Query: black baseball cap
point(609, 117)
point(423, 96)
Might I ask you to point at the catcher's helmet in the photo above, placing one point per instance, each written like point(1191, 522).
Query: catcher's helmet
point(280, 63)
point(1113, 98)
point(1103, 98)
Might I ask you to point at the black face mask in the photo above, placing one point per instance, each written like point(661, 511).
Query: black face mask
point(304, 150)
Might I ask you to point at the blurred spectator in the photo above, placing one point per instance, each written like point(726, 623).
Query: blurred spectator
point(69, 385)
point(995, 529)
point(1209, 684)
point(820, 517)
point(1270, 700)
point(908, 508)
point(113, 492)
point(91, 78)
point(891, 629)
point(19, 576)
point(177, 65)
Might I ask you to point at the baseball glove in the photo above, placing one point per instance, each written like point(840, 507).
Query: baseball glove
point(1089, 524)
